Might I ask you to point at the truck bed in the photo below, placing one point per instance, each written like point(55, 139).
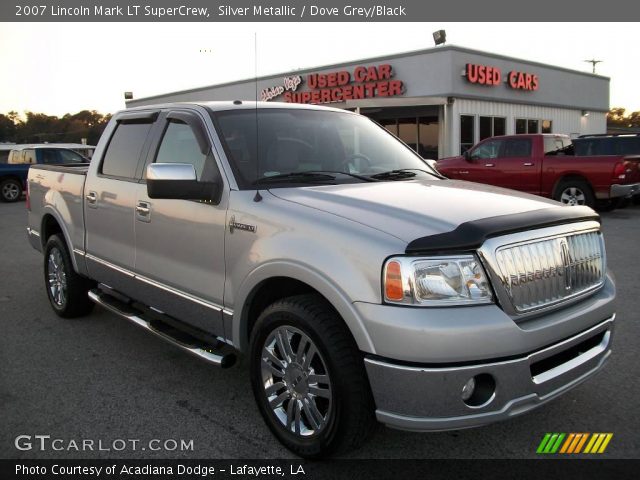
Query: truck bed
point(57, 191)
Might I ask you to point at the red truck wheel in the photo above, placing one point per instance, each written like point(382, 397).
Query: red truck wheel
point(575, 192)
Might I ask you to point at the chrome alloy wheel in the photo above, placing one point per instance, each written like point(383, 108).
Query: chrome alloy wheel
point(296, 381)
point(57, 277)
point(572, 196)
point(10, 191)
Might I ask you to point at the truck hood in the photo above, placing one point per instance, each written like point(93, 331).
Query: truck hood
point(417, 208)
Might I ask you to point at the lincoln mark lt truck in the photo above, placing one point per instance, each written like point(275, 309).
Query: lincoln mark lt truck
point(358, 283)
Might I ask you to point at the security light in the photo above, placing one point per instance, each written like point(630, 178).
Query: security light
point(440, 37)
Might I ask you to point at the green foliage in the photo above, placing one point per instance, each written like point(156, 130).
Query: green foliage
point(616, 117)
point(39, 128)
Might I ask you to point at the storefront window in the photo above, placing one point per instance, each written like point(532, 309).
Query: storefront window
point(492, 126)
point(532, 126)
point(467, 132)
point(428, 132)
point(391, 125)
point(521, 126)
point(524, 125)
point(408, 131)
point(499, 126)
point(546, 126)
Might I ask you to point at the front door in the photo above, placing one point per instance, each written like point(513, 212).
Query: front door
point(179, 259)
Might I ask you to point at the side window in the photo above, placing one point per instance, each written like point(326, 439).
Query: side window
point(4, 156)
point(69, 156)
point(123, 152)
point(518, 148)
point(29, 156)
point(179, 145)
point(49, 156)
point(487, 150)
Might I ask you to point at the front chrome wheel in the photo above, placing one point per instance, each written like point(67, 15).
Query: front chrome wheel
point(296, 381)
point(57, 277)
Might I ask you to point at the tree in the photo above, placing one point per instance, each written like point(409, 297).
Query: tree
point(39, 127)
point(616, 117)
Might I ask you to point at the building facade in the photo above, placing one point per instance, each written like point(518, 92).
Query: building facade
point(440, 101)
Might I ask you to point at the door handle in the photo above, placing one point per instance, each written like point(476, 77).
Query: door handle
point(463, 172)
point(528, 164)
point(92, 198)
point(489, 165)
point(143, 211)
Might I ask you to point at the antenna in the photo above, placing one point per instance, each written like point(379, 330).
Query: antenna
point(594, 62)
point(257, 196)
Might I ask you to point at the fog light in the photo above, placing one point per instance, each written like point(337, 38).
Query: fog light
point(468, 389)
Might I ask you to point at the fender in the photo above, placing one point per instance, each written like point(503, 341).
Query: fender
point(303, 273)
point(63, 219)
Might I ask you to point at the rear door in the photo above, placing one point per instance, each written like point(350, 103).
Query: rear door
point(516, 166)
point(179, 259)
point(110, 195)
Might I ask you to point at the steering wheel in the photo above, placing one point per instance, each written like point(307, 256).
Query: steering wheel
point(356, 159)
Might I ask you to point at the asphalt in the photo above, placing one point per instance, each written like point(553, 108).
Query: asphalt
point(102, 378)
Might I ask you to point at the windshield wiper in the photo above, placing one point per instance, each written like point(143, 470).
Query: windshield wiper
point(311, 176)
point(402, 174)
point(299, 177)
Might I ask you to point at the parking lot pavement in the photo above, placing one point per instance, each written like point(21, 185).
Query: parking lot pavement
point(102, 378)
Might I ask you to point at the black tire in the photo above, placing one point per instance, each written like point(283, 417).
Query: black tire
point(578, 189)
point(73, 302)
point(10, 190)
point(348, 410)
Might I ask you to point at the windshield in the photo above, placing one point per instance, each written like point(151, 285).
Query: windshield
point(290, 144)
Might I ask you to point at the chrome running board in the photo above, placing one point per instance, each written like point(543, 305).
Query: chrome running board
point(206, 352)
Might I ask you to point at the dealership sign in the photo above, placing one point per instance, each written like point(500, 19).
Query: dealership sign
point(288, 83)
point(492, 76)
point(359, 83)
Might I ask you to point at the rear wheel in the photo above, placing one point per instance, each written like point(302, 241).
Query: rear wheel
point(10, 190)
point(308, 378)
point(575, 192)
point(67, 291)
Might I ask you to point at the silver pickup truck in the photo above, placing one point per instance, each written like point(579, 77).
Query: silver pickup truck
point(358, 282)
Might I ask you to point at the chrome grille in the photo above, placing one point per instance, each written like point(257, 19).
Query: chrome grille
point(543, 272)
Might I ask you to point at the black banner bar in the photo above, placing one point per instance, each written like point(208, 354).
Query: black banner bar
point(316, 11)
point(540, 469)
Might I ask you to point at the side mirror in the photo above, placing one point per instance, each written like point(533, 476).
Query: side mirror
point(178, 181)
point(467, 156)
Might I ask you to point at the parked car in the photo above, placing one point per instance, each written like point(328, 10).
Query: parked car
point(544, 164)
point(13, 173)
point(359, 283)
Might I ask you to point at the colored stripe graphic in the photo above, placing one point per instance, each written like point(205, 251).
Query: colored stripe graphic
point(573, 443)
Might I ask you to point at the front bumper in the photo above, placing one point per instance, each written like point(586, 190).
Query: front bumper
point(624, 190)
point(429, 398)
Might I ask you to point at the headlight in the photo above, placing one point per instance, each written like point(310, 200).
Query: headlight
point(436, 281)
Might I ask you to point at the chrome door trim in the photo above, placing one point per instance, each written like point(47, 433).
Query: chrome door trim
point(162, 286)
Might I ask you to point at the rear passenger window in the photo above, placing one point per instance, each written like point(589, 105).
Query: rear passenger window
point(123, 152)
point(518, 148)
point(49, 156)
point(179, 145)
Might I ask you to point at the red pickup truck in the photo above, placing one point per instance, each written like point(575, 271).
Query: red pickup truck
point(544, 164)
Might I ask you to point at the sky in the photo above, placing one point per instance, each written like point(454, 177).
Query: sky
point(58, 68)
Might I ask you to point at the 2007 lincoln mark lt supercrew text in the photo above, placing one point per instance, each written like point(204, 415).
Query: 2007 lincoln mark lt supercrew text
point(359, 283)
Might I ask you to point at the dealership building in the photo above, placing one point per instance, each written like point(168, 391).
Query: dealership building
point(440, 101)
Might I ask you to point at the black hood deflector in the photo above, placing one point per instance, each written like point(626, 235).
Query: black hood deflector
point(471, 235)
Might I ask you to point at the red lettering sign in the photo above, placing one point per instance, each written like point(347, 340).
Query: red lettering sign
point(483, 74)
point(363, 82)
point(523, 81)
